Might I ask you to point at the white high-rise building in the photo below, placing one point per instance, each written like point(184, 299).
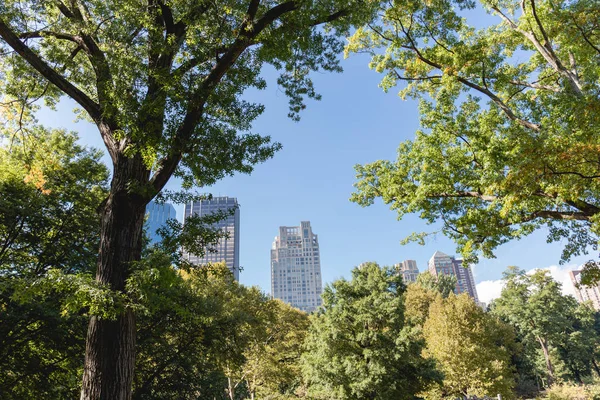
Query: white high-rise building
point(228, 249)
point(585, 293)
point(296, 267)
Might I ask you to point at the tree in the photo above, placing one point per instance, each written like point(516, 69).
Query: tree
point(535, 307)
point(509, 114)
point(194, 328)
point(443, 284)
point(417, 301)
point(578, 349)
point(50, 188)
point(162, 81)
point(358, 345)
point(472, 348)
point(272, 366)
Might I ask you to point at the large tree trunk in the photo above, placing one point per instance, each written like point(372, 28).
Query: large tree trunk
point(110, 344)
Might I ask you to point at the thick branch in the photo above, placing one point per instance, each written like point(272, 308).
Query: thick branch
point(181, 143)
point(545, 51)
point(583, 206)
point(45, 70)
point(58, 35)
point(167, 166)
point(561, 215)
point(478, 195)
point(93, 109)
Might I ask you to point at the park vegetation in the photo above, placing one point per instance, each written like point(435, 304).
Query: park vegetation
point(202, 335)
point(509, 144)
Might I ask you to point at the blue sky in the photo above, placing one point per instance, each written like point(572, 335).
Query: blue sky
point(311, 179)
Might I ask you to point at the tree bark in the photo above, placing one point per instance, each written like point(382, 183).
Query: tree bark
point(110, 344)
point(549, 367)
point(595, 365)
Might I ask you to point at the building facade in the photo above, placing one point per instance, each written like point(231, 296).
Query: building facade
point(408, 269)
point(443, 264)
point(227, 249)
point(585, 293)
point(296, 267)
point(157, 214)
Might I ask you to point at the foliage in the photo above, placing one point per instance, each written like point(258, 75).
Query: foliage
point(444, 284)
point(193, 326)
point(472, 348)
point(358, 345)
point(573, 392)
point(509, 112)
point(561, 332)
point(272, 366)
point(163, 81)
point(50, 188)
point(417, 301)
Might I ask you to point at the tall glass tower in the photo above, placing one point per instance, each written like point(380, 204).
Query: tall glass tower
point(158, 214)
point(228, 249)
point(296, 267)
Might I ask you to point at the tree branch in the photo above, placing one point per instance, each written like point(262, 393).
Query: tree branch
point(559, 215)
point(92, 108)
point(168, 164)
point(509, 113)
point(545, 51)
point(536, 86)
point(45, 70)
point(580, 29)
point(478, 195)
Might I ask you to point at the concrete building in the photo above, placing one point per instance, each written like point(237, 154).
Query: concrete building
point(585, 293)
point(444, 264)
point(228, 249)
point(157, 214)
point(296, 267)
point(408, 269)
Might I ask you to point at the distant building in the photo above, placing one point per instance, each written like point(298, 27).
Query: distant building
point(585, 293)
point(296, 267)
point(158, 214)
point(444, 264)
point(228, 249)
point(408, 269)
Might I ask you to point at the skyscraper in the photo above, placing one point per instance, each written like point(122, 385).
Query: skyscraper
point(228, 249)
point(585, 293)
point(296, 267)
point(443, 264)
point(408, 269)
point(158, 214)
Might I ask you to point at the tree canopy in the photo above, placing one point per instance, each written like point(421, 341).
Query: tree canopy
point(509, 116)
point(550, 325)
point(473, 349)
point(50, 188)
point(358, 345)
point(163, 82)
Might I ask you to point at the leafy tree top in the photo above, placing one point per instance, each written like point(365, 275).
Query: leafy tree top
point(163, 79)
point(509, 115)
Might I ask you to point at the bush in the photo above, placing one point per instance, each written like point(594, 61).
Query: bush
point(574, 392)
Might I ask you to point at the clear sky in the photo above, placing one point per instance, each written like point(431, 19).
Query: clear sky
point(311, 179)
